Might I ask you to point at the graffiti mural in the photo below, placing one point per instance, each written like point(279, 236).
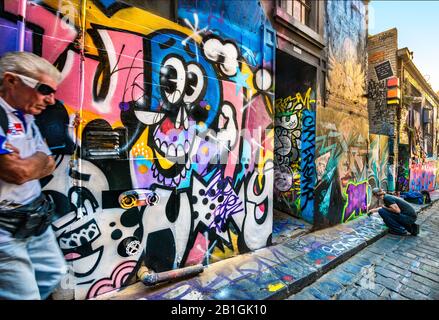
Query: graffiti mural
point(342, 125)
point(423, 176)
point(356, 203)
point(181, 112)
point(341, 153)
point(346, 34)
point(403, 177)
point(378, 161)
point(294, 154)
point(307, 155)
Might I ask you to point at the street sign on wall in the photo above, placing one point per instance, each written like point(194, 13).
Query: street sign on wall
point(384, 70)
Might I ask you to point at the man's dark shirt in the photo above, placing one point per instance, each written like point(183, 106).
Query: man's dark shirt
point(403, 205)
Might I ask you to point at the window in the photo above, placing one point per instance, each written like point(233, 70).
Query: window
point(299, 9)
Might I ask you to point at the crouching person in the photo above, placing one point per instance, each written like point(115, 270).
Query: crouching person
point(31, 262)
point(398, 215)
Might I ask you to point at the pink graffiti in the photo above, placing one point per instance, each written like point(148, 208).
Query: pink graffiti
point(55, 29)
point(102, 92)
point(229, 90)
point(116, 280)
point(124, 81)
point(423, 176)
point(198, 251)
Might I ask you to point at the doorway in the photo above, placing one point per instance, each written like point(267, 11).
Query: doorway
point(294, 150)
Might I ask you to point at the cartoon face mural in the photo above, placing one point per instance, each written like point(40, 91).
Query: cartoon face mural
point(184, 107)
point(185, 94)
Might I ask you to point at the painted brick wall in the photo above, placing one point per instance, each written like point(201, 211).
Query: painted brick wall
point(381, 48)
point(188, 109)
point(342, 126)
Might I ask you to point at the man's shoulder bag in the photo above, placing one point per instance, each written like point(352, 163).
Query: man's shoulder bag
point(31, 219)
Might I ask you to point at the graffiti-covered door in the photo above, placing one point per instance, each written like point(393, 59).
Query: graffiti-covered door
point(294, 136)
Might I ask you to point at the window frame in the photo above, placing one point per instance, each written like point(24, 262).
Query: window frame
point(311, 9)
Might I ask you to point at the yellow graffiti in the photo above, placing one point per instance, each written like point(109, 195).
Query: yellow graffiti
point(218, 254)
point(265, 154)
point(289, 104)
point(269, 106)
point(141, 149)
point(275, 287)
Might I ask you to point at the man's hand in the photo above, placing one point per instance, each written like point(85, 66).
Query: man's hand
point(372, 211)
point(49, 168)
point(14, 151)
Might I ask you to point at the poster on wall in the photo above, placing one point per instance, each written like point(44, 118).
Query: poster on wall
point(384, 70)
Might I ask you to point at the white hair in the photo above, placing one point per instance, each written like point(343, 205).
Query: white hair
point(28, 64)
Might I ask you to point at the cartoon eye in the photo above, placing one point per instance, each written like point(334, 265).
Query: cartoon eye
point(173, 79)
point(195, 83)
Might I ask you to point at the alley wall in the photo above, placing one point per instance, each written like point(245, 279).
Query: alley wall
point(177, 108)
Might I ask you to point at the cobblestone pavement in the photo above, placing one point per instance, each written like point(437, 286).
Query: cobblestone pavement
point(394, 267)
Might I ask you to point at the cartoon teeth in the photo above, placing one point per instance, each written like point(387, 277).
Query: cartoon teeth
point(149, 118)
point(77, 238)
point(173, 149)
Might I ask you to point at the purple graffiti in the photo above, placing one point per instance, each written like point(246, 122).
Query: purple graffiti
point(356, 202)
point(229, 203)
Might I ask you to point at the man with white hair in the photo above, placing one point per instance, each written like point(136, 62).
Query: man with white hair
point(31, 262)
point(398, 215)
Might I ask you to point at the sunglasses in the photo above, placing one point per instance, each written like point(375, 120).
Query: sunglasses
point(42, 88)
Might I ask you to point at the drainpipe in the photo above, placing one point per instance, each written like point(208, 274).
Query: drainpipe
point(150, 278)
point(75, 162)
point(21, 24)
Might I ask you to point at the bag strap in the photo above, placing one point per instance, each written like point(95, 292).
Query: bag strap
point(4, 122)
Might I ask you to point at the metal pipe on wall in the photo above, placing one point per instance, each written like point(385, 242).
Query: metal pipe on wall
point(150, 278)
point(21, 24)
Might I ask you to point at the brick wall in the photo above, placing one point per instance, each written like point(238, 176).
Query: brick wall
point(381, 48)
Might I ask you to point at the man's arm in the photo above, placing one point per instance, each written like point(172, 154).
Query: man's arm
point(393, 207)
point(15, 170)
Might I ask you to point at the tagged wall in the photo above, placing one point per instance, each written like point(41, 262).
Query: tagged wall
point(377, 174)
point(382, 65)
point(378, 161)
point(180, 112)
point(342, 125)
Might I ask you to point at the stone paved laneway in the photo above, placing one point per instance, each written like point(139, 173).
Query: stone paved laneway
point(394, 267)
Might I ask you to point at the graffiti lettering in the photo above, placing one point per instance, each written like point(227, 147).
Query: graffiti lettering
point(230, 203)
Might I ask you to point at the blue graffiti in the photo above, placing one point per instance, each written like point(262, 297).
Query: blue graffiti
point(308, 170)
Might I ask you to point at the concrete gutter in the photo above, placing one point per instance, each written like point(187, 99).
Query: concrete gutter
point(273, 272)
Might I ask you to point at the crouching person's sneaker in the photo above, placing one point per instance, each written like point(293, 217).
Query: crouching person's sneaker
point(415, 229)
